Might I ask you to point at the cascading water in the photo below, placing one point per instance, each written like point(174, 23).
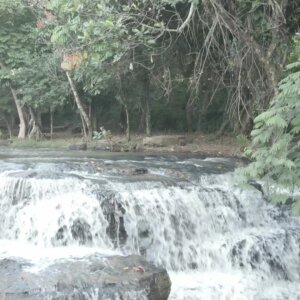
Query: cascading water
point(216, 241)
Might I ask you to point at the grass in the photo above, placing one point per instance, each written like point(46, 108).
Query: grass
point(204, 143)
point(45, 143)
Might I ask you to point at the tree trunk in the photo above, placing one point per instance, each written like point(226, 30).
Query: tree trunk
point(51, 123)
point(189, 116)
point(147, 106)
point(142, 122)
point(148, 118)
point(127, 123)
point(35, 131)
point(22, 125)
point(84, 131)
point(79, 104)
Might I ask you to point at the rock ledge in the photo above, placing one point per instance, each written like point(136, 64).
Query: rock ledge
point(95, 277)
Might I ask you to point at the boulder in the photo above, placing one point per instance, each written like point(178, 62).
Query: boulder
point(94, 277)
point(103, 145)
point(82, 146)
point(116, 148)
point(164, 140)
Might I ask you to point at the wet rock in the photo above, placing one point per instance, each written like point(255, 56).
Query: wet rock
point(96, 277)
point(117, 169)
point(260, 255)
point(24, 174)
point(164, 140)
point(81, 232)
point(78, 147)
point(290, 201)
point(61, 237)
point(257, 186)
point(145, 235)
point(241, 212)
point(139, 171)
point(114, 214)
point(237, 253)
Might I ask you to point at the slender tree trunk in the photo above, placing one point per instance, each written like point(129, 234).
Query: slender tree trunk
point(148, 118)
point(22, 125)
point(51, 123)
point(94, 122)
point(79, 104)
point(127, 123)
point(84, 131)
point(147, 106)
point(189, 116)
point(93, 115)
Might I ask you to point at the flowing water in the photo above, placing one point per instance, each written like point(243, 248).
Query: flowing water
point(185, 214)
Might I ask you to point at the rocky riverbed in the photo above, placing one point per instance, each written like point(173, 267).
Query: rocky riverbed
point(70, 222)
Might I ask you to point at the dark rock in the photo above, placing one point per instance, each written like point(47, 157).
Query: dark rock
point(103, 145)
point(114, 214)
point(95, 277)
point(257, 186)
point(145, 237)
point(61, 237)
point(258, 254)
point(78, 147)
point(81, 232)
point(139, 171)
point(290, 201)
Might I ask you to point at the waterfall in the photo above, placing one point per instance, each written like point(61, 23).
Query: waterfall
point(216, 240)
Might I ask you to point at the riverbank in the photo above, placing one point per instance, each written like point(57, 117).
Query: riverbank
point(201, 144)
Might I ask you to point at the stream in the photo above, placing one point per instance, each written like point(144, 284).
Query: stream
point(181, 212)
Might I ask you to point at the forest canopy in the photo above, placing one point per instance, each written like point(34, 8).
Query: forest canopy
point(207, 66)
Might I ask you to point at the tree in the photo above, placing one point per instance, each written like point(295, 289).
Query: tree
point(89, 30)
point(170, 65)
point(17, 42)
point(42, 88)
point(276, 138)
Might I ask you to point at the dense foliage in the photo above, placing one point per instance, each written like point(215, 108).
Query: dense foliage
point(275, 147)
point(206, 65)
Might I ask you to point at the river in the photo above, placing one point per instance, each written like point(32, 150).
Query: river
point(181, 212)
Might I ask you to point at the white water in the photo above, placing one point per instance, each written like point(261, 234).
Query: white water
point(216, 241)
